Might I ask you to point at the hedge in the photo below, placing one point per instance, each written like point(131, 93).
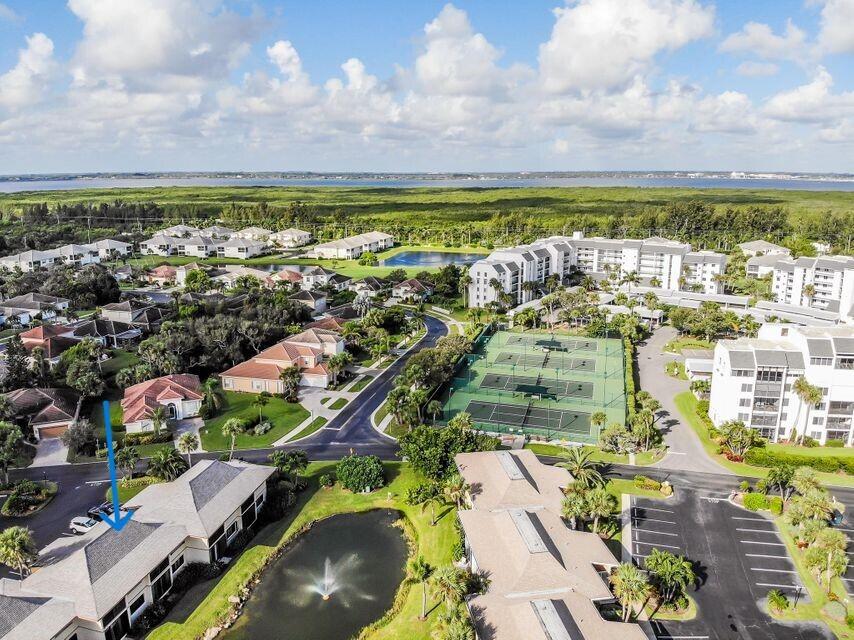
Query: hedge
point(630, 376)
point(756, 501)
point(761, 457)
point(643, 482)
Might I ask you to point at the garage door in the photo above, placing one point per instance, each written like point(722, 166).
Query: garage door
point(51, 432)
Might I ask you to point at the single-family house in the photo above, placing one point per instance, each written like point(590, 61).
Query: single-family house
point(331, 323)
point(242, 248)
point(306, 350)
point(111, 249)
point(315, 277)
point(369, 286)
point(291, 276)
point(123, 273)
point(290, 238)
point(164, 275)
point(763, 248)
point(182, 271)
point(53, 339)
point(36, 304)
point(96, 586)
point(412, 289)
point(179, 394)
point(233, 272)
point(110, 333)
point(180, 231)
point(339, 282)
point(48, 411)
point(142, 315)
point(314, 300)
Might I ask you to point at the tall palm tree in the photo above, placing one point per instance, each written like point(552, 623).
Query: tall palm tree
point(810, 396)
point(158, 419)
point(809, 293)
point(232, 428)
point(126, 459)
point(434, 408)
point(212, 395)
point(574, 507)
point(420, 570)
point(463, 286)
point(187, 443)
point(455, 489)
point(600, 504)
point(18, 550)
point(671, 573)
point(449, 585)
point(581, 467)
point(598, 419)
point(630, 586)
point(261, 401)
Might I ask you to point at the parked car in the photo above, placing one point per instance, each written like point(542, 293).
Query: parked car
point(82, 524)
point(98, 512)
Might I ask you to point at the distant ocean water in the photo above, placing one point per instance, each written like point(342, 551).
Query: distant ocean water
point(697, 182)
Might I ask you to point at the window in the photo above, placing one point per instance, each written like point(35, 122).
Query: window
point(179, 562)
point(744, 402)
point(136, 604)
point(821, 362)
point(744, 417)
point(818, 420)
point(232, 529)
point(159, 569)
point(258, 385)
point(226, 383)
point(746, 388)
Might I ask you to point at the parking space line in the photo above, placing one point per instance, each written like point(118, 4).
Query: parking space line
point(655, 544)
point(653, 509)
point(796, 587)
point(774, 531)
point(643, 519)
point(770, 544)
point(751, 519)
point(759, 555)
point(662, 533)
point(773, 570)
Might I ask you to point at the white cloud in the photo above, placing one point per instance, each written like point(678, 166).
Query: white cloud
point(8, 14)
point(603, 44)
point(759, 39)
point(811, 103)
point(729, 112)
point(25, 83)
point(837, 33)
point(753, 69)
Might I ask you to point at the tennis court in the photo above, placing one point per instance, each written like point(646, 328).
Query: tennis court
point(539, 383)
point(542, 418)
point(537, 386)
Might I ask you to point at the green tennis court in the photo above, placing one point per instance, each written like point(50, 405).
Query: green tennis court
point(537, 386)
point(541, 418)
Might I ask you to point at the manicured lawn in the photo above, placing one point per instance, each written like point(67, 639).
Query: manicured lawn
point(121, 360)
point(676, 370)
point(794, 450)
point(687, 405)
point(687, 342)
point(284, 416)
point(435, 543)
point(618, 486)
point(381, 413)
point(385, 255)
point(96, 415)
point(360, 384)
point(313, 426)
point(641, 459)
point(128, 492)
point(339, 403)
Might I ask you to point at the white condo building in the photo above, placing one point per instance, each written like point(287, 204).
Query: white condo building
point(354, 246)
point(656, 261)
point(753, 381)
point(831, 279)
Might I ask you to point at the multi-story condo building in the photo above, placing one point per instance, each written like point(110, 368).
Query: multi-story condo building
point(656, 262)
point(95, 586)
point(753, 380)
point(825, 283)
point(354, 246)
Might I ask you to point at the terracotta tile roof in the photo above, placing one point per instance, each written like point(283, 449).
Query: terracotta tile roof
point(287, 352)
point(254, 369)
point(315, 336)
point(163, 271)
point(141, 399)
point(330, 324)
point(44, 332)
point(53, 347)
point(287, 275)
point(320, 369)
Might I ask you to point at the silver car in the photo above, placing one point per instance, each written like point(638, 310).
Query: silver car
point(82, 524)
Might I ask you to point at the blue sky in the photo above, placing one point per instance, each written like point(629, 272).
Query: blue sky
point(134, 85)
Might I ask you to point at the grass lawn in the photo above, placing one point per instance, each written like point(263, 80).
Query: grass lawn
point(339, 403)
point(385, 255)
point(676, 370)
point(313, 426)
point(96, 414)
point(818, 596)
point(641, 459)
point(360, 384)
point(284, 416)
point(687, 405)
point(381, 413)
point(434, 543)
point(795, 450)
point(660, 614)
point(687, 342)
point(618, 486)
point(121, 360)
point(126, 492)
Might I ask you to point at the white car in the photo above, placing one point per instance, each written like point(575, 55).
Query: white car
point(82, 524)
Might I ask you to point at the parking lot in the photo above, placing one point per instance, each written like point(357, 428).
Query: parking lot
point(738, 558)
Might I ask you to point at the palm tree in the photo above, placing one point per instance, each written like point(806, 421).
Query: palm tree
point(232, 428)
point(809, 293)
point(261, 401)
point(449, 585)
point(584, 471)
point(290, 463)
point(671, 573)
point(187, 443)
point(777, 601)
point(455, 489)
point(810, 396)
point(574, 507)
point(421, 571)
point(126, 459)
point(630, 587)
point(290, 378)
point(453, 624)
point(463, 287)
point(434, 409)
point(598, 419)
point(212, 395)
point(780, 476)
point(18, 550)
point(600, 504)
point(158, 419)
point(166, 464)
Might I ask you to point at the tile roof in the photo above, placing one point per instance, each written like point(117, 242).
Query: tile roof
point(44, 405)
point(140, 400)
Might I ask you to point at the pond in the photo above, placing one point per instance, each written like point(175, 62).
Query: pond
point(430, 259)
point(336, 578)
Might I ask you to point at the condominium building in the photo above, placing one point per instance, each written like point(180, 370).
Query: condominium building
point(656, 262)
point(753, 380)
point(825, 283)
point(354, 246)
point(545, 580)
point(95, 586)
point(290, 238)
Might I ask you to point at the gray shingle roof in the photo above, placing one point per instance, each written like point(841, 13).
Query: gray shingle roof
point(14, 610)
point(103, 553)
point(210, 482)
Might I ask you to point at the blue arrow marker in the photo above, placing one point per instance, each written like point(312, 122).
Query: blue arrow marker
point(116, 520)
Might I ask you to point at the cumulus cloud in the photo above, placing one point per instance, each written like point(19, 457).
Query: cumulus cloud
point(813, 102)
point(8, 14)
point(25, 83)
point(836, 34)
point(753, 69)
point(603, 44)
point(759, 39)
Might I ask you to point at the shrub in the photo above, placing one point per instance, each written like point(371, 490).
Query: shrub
point(327, 480)
point(360, 473)
point(150, 618)
point(630, 376)
point(642, 482)
point(755, 501)
point(775, 504)
point(240, 541)
point(834, 443)
point(829, 464)
point(145, 437)
point(262, 427)
point(744, 485)
point(809, 442)
point(703, 408)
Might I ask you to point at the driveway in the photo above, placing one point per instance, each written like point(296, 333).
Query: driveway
point(685, 452)
point(738, 557)
point(50, 452)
